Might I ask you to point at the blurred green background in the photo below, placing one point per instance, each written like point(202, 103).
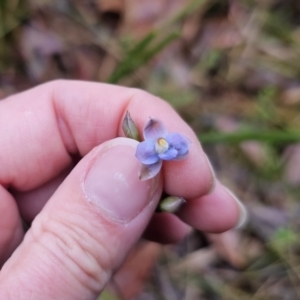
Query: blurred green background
point(232, 70)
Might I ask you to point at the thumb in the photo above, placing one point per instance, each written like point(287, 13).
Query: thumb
point(86, 229)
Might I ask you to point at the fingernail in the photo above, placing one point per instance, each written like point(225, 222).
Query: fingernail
point(213, 177)
point(243, 215)
point(112, 182)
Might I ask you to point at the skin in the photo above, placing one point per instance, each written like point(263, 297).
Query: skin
point(72, 247)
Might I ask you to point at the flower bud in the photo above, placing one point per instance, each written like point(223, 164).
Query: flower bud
point(171, 204)
point(129, 128)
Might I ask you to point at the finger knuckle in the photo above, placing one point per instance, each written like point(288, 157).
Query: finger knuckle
point(79, 251)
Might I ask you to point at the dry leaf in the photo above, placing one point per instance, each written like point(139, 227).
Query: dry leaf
point(255, 152)
point(196, 261)
point(227, 245)
point(266, 220)
point(38, 44)
point(116, 6)
point(291, 96)
point(292, 170)
point(142, 16)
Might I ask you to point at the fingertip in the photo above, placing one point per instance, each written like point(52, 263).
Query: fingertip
point(243, 214)
point(215, 213)
point(190, 178)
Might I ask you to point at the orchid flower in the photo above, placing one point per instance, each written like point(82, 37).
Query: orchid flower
point(159, 145)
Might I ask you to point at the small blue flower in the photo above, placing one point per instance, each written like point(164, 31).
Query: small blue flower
point(159, 145)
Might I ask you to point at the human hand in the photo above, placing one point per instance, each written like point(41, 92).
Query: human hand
point(96, 209)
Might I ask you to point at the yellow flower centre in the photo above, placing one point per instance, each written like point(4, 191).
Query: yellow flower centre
point(161, 145)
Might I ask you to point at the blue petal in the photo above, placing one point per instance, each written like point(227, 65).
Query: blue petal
point(169, 154)
point(145, 153)
point(149, 171)
point(181, 157)
point(178, 142)
point(154, 129)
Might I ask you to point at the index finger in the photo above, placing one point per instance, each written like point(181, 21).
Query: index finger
point(43, 128)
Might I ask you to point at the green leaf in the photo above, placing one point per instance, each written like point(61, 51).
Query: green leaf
point(140, 55)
